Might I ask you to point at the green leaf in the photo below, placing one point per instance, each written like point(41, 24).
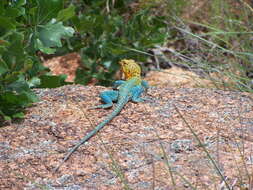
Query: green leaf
point(7, 118)
point(20, 3)
point(12, 98)
point(33, 82)
point(14, 12)
point(19, 115)
point(18, 84)
point(50, 35)
point(49, 81)
point(4, 42)
point(66, 14)
point(41, 47)
point(7, 23)
point(3, 68)
point(3, 46)
point(33, 11)
point(31, 97)
point(28, 64)
point(14, 55)
point(82, 77)
point(42, 11)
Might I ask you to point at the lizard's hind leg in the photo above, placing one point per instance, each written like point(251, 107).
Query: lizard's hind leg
point(108, 97)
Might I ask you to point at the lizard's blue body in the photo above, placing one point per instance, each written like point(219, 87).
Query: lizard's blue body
point(130, 89)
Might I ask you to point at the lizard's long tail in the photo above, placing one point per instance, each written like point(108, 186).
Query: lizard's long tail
point(115, 112)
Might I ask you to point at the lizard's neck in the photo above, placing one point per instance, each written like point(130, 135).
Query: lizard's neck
point(131, 73)
point(136, 78)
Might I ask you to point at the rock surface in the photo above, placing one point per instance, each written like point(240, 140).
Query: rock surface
point(137, 148)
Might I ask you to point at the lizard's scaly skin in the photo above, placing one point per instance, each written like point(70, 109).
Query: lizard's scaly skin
point(132, 72)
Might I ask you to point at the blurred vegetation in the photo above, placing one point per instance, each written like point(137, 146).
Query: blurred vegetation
point(109, 32)
point(25, 30)
point(214, 36)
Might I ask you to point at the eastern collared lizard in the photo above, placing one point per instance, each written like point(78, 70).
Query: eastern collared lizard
point(126, 90)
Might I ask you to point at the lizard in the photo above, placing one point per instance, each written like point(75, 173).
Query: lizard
point(129, 89)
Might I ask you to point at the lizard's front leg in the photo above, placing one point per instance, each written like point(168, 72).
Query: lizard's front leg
point(107, 97)
point(117, 83)
point(136, 93)
point(138, 90)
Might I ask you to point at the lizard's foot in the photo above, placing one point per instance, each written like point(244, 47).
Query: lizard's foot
point(137, 99)
point(107, 97)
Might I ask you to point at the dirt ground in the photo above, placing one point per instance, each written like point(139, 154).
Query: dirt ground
point(138, 149)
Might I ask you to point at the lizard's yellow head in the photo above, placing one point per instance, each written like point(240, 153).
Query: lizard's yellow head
point(130, 68)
